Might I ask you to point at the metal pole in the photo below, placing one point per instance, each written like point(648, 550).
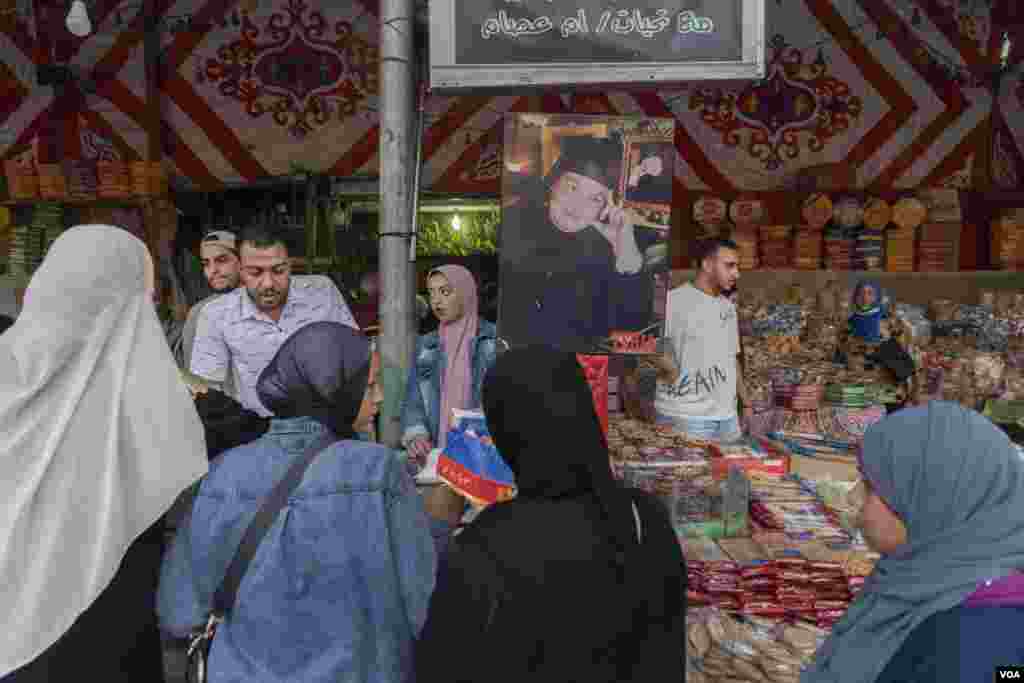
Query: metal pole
point(417, 173)
point(397, 153)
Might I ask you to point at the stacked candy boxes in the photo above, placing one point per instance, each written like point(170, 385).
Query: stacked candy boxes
point(758, 460)
point(784, 589)
point(792, 508)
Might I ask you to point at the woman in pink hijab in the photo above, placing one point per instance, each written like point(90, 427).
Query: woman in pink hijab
point(449, 365)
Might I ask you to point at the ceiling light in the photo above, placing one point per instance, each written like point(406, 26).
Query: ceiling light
point(78, 20)
point(456, 224)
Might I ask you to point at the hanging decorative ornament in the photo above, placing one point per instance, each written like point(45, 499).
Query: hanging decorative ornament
point(78, 20)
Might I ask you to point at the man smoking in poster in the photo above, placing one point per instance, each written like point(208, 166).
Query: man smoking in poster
point(571, 267)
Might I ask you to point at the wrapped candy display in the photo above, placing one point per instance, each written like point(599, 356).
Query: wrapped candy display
point(917, 319)
point(779, 319)
point(729, 648)
point(803, 560)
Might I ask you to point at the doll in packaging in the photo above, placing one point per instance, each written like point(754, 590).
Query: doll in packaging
point(867, 312)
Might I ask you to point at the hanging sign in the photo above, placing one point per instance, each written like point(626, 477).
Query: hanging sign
point(503, 43)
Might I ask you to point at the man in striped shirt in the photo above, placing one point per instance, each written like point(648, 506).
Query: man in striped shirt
point(246, 327)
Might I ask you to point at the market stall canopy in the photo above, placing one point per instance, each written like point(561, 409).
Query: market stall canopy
point(266, 87)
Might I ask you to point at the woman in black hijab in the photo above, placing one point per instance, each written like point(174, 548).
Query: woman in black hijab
point(578, 578)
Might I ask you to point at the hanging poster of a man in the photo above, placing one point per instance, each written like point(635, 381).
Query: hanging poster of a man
point(580, 244)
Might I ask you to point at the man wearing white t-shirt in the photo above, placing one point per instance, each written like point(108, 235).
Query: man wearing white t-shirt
point(699, 375)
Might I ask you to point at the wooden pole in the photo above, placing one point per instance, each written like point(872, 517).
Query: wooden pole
point(397, 153)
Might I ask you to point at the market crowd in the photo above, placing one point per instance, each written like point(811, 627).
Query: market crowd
point(325, 561)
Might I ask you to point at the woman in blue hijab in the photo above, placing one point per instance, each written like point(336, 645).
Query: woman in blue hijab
point(339, 587)
point(945, 507)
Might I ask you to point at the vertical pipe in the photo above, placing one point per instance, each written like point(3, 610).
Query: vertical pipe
point(396, 156)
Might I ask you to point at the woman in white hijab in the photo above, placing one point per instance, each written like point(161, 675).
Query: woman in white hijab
point(98, 436)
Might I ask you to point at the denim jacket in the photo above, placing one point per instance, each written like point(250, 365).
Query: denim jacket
point(339, 587)
point(421, 410)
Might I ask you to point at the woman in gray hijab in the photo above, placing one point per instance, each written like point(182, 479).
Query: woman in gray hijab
point(945, 507)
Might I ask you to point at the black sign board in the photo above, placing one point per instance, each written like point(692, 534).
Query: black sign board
point(540, 32)
point(523, 42)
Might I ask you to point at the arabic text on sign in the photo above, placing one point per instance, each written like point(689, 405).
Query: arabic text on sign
point(621, 22)
point(577, 25)
point(503, 24)
point(624, 21)
point(689, 22)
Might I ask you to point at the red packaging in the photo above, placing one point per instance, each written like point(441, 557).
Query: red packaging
point(760, 584)
point(596, 370)
point(715, 591)
point(795, 563)
point(727, 566)
point(833, 567)
point(761, 570)
point(764, 609)
point(831, 605)
point(797, 589)
point(769, 467)
point(824, 581)
point(730, 579)
point(799, 606)
point(731, 602)
point(834, 614)
point(697, 598)
point(794, 577)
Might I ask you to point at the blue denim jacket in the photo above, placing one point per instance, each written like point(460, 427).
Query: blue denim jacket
point(339, 587)
point(421, 410)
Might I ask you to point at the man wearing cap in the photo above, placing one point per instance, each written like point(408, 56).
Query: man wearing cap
point(572, 266)
point(245, 328)
point(218, 252)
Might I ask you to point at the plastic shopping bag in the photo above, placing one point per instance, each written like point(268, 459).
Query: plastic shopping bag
point(471, 465)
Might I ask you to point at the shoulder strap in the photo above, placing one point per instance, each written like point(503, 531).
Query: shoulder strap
point(226, 593)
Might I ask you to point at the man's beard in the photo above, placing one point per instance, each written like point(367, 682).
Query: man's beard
point(259, 301)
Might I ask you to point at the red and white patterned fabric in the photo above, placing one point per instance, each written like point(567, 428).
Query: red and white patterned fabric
point(260, 87)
